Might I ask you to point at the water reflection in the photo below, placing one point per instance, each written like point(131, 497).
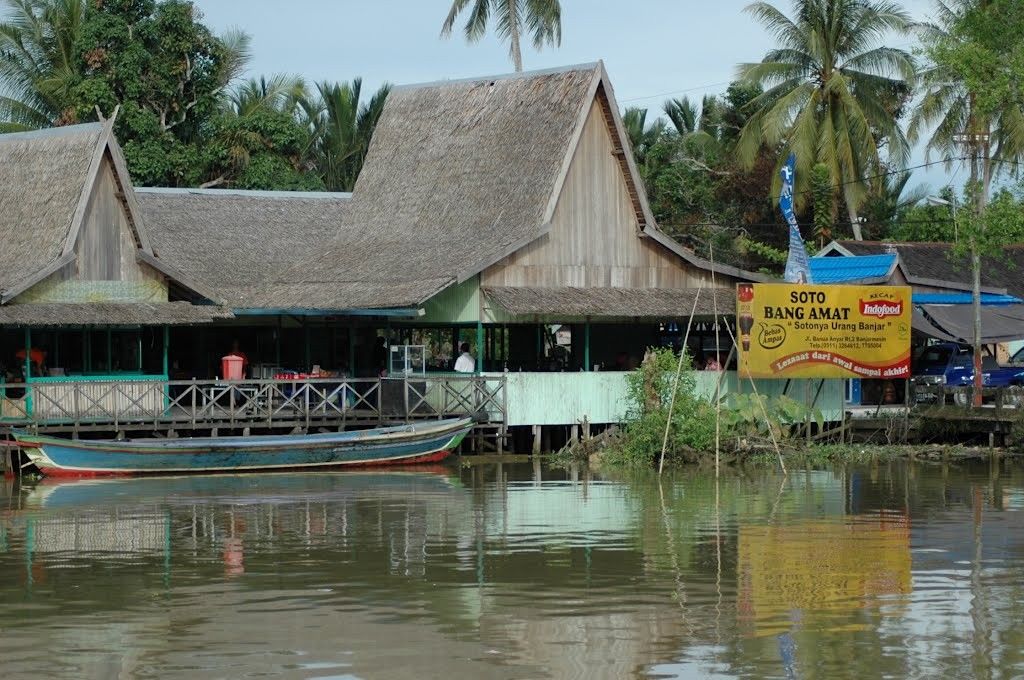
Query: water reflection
point(511, 571)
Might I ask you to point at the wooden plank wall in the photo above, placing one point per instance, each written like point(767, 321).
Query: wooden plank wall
point(105, 268)
point(594, 240)
point(106, 246)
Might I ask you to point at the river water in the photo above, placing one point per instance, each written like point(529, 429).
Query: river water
point(504, 570)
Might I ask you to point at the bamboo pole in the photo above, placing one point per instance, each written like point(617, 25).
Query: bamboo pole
point(675, 382)
point(764, 411)
point(718, 349)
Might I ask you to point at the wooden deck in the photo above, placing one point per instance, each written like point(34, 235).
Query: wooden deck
point(166, 406)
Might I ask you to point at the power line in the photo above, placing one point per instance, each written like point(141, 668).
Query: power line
point(666, 94)
point(761, 203)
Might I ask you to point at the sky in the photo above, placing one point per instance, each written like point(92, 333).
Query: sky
point(653, 49)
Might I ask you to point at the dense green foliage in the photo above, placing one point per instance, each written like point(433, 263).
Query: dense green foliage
point(833, 94)
point(648, 396)
point(183, 116)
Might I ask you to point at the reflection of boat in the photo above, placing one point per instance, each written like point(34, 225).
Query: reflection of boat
point(275, 488)
point(401, 445)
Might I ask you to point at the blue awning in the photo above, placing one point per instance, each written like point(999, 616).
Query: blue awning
point(987, 299)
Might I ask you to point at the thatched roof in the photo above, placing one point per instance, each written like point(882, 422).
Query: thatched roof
point(236, 242)
point(938, 265)
point(109, 314)
point(43, 175)
point(648, 303)
point(459, 175)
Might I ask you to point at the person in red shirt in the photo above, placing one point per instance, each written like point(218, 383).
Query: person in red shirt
point(37, 358)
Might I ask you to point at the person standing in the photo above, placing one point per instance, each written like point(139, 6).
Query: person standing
point(465, 363)
point(713, 364)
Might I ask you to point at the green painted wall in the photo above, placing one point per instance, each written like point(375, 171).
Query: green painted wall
point(456, 304)
point(54, 289)
point(568, 398)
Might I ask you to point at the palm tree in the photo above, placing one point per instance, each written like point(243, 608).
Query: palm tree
point(279, 96)
point(947, 106)
point(37, 61)
point(642, 137)
point(281, 92)
point(833, 93)
point(540, 19)
point(342, 128)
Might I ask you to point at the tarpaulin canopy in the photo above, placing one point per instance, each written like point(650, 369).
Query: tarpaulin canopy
point(956, 322)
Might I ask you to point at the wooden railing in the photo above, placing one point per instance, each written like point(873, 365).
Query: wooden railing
point(272, 403)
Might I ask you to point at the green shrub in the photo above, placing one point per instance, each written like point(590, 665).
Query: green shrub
point(745, 416)
point(649, 394)
point(743, 422)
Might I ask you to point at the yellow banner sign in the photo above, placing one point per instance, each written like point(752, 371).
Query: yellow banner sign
point(807, 331)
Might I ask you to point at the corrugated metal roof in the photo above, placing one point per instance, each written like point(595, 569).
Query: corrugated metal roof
point(851, 269)
point(988, 299)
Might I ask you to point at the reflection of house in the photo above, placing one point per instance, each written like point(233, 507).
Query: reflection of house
point(113, 534)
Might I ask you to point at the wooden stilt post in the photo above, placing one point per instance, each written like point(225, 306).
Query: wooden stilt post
point(586, 345)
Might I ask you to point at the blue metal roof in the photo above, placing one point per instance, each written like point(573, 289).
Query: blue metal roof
point(963, 299)
point(853, 268)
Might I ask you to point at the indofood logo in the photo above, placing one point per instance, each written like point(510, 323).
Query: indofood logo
point(881, 308)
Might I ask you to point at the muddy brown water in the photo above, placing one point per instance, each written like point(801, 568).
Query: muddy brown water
point(518, 570)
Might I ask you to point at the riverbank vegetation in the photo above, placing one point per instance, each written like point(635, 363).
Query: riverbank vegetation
point(666, 409)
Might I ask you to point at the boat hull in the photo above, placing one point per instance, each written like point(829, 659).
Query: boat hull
point(401, 445)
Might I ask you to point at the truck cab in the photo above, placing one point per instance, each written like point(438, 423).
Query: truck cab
point(952, 364)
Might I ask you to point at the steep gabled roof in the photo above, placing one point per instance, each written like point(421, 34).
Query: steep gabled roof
point(44, 175)
point(459, 175)
point(48, 177)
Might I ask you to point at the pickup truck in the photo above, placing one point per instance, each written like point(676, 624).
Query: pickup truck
point(952, 364)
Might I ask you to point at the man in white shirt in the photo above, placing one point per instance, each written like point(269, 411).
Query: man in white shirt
point(465, 363)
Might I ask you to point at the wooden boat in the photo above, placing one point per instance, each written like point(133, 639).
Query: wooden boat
point(424, 442)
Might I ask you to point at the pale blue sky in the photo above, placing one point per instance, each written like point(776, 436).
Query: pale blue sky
point(653, 49)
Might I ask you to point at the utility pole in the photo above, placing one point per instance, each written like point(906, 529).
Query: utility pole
point(977, 143)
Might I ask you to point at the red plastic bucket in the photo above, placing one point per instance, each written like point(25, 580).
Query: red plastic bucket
point(231, 366)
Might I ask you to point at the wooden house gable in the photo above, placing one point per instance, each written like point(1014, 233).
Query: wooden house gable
point(596, 234)
point(107, 256)
point(102, 249)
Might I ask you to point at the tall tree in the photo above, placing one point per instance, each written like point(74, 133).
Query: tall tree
point(260, 139)
point(957, 82)
point(37, 62)
point(974, 92)
point(541, 20)
point(833, 92)
point(342, 127)
point(169, 75)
